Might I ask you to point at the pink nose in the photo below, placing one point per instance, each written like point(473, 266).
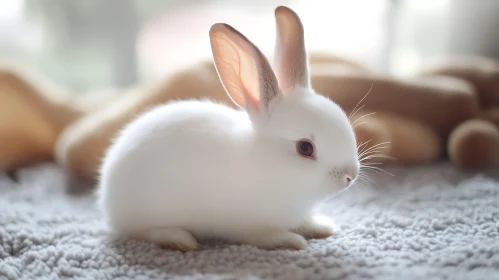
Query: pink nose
point(350, 174)
point(348, 179)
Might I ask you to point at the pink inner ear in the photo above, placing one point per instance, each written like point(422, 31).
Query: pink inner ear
point(255, 101)
point(243, 69)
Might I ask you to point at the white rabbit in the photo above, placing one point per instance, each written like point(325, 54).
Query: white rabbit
point(193, 168)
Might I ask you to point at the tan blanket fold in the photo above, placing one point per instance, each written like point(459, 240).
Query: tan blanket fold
point(32, 114)
point(439, 102)
point(491, 115)
point(474, 144)
point(482, 72)
point(403, 141)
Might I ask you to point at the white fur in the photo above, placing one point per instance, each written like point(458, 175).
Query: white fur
point(200, 168)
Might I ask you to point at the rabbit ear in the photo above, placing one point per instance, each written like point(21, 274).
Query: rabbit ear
point(290, 56)
point(244, 71)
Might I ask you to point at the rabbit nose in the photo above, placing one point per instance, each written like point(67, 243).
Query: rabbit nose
point(348, 179)
point(346, 175)
point(349, 175)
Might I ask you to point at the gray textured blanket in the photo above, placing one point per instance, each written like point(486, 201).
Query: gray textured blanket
point(425, 223)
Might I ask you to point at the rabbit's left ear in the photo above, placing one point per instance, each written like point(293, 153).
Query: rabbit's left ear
point(291, 62)
point(244, 71)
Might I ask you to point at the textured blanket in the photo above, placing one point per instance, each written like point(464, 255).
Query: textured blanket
point(424, 223)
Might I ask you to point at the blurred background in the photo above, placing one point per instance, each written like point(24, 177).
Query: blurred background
point(93, 44)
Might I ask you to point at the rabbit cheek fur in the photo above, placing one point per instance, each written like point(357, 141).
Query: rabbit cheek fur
point(199, 168)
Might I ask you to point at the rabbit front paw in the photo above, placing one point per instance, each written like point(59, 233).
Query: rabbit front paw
point(170, 238)
point(316, 227)
point(274, 239)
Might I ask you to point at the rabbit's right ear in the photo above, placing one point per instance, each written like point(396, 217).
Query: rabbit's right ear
point(244, 71)
point(290, 60)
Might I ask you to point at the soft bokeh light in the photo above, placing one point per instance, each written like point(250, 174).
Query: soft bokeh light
point(77, 43)
point(179, 35)
point(17, 32)
point(10, 11)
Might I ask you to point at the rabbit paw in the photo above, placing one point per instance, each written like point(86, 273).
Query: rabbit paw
point(170, 238)
point(275, 240)
point(316, 227)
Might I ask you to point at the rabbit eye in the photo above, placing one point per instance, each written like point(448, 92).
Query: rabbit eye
point(305, 148)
